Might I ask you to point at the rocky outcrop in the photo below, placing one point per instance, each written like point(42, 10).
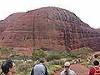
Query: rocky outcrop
point(47, 28)
point(98, 29)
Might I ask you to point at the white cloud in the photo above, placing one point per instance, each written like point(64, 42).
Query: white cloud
point(87, 10)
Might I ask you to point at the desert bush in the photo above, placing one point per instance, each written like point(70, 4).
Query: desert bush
point(57, 62)
point(39, 54)
point(54, 55)
point(65, 54)
point(82, 53)
point(5, 52)
point(53, 68)
point(24, 68)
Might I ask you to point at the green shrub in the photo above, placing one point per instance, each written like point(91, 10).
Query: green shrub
point(65, 54)
point(24, 68)
point(53, 68)
point(57, 62)
point(39, 54)
point(54, 55)
point(5, 52)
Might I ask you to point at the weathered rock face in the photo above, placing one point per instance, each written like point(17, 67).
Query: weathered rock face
point(49, 28)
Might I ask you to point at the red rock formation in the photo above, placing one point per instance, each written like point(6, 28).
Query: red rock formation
point(48, 28)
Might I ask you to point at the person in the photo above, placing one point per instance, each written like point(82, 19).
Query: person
point(8, 68)
point(95, 70)
point(39, 68)
point(67, 70)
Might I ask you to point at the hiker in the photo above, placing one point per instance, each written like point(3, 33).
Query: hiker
point(67, 70)
point(95, 70)
point(39, 68)
point(8, 68)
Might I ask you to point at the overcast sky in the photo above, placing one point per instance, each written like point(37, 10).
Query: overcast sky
point(87, 10)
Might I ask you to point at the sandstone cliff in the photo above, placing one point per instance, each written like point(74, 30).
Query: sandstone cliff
point(48, 28)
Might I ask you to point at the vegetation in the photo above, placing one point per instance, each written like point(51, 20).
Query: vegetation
point(55, 59)
point(39, 54)
point(53, 55)
point(53, 68)
point(4, 52)
point(81, 53)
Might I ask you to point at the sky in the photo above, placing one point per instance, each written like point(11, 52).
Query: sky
point(87, 10)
